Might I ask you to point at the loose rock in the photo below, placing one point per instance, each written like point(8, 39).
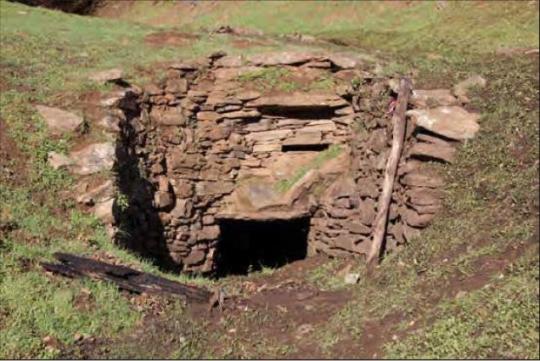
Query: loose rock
point(106, 76)
point(59, 121)
point(450, 121)
point(432, 98)
point(351, 278)
point(92, 159)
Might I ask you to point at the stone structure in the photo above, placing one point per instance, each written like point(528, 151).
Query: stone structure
point(207, 149)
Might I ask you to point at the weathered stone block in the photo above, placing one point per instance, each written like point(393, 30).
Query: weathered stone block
point(182, 209)
point(163, 200)
point(269, 136)
point(214, 188)
point(422, 180)
point(304, 137)
point(196, 257)
point(208, 233)
point(432, 150)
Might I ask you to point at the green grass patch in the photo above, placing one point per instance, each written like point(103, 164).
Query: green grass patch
point(490, 204)
point(499, 321)
point(452, 29)
point(45, 59)
point(38, 306)
point(283, 79)
point(269, 78)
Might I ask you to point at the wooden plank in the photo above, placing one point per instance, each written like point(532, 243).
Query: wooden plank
point(125, 277)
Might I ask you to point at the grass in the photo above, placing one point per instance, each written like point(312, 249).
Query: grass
point(56, 52)
point(490, 205)
point(269, 78)
point(498, 321)
point(324, 276)
point(45, 58)
point(488, 184)
point(384, 26)
point(282, 79)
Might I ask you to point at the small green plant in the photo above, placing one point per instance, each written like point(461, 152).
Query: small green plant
point(285, 184)
point(122, 201)
point(324, 82)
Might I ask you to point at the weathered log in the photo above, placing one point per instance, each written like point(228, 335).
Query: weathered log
point(398, 121)
point(125, 278)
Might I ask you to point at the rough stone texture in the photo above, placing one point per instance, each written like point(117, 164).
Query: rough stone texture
point(57, 160)
point(450, 121)
point(59, 121)
point(418, 179)
point(200, 150)
point(299, 100)
point(432, 98)
point(435, 151)
point(280, 58)
point(98, 194)
point(106, 76)
point(104, 211)
point(92, 159)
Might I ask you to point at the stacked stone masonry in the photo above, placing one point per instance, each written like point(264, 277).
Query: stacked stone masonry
point(203, 146)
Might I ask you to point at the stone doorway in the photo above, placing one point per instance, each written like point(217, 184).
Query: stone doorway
point(250, 245)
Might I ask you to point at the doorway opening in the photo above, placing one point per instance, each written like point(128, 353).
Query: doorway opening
point(246, 245)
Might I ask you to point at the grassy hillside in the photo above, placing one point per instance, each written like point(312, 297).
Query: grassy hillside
point(468, 287)
point(478, 26)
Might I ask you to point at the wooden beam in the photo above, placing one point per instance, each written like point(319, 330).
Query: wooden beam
point(124, 277)
point(398, 136)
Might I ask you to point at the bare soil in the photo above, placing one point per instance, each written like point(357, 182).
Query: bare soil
point(291, 309)
point(244, 43)
point(170, 38)
point(12, 167)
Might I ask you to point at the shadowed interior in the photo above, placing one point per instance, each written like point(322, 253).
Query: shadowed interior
point(246, 246)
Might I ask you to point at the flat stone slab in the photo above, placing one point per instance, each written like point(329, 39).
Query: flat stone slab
point(256, 197)
point(449, 121)
point(340, 60)
point(345, 60)
point(281, 58)
point(106, 76)
point(265, 215)
point(436, 151)
point(305, 137)
point(419, 179)
point(269, 136)
point(92, 159)
point(424, 196)
point(59, 121)
point(263, 148)
point(299, 100)
point(432, 98)
point(57, 160)
point(229, 61)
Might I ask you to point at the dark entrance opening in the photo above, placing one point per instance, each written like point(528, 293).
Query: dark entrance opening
point(310, 112)
point(246, 246)
point(304, 147)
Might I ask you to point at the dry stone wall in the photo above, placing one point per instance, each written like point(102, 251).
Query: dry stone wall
point(203, 145)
